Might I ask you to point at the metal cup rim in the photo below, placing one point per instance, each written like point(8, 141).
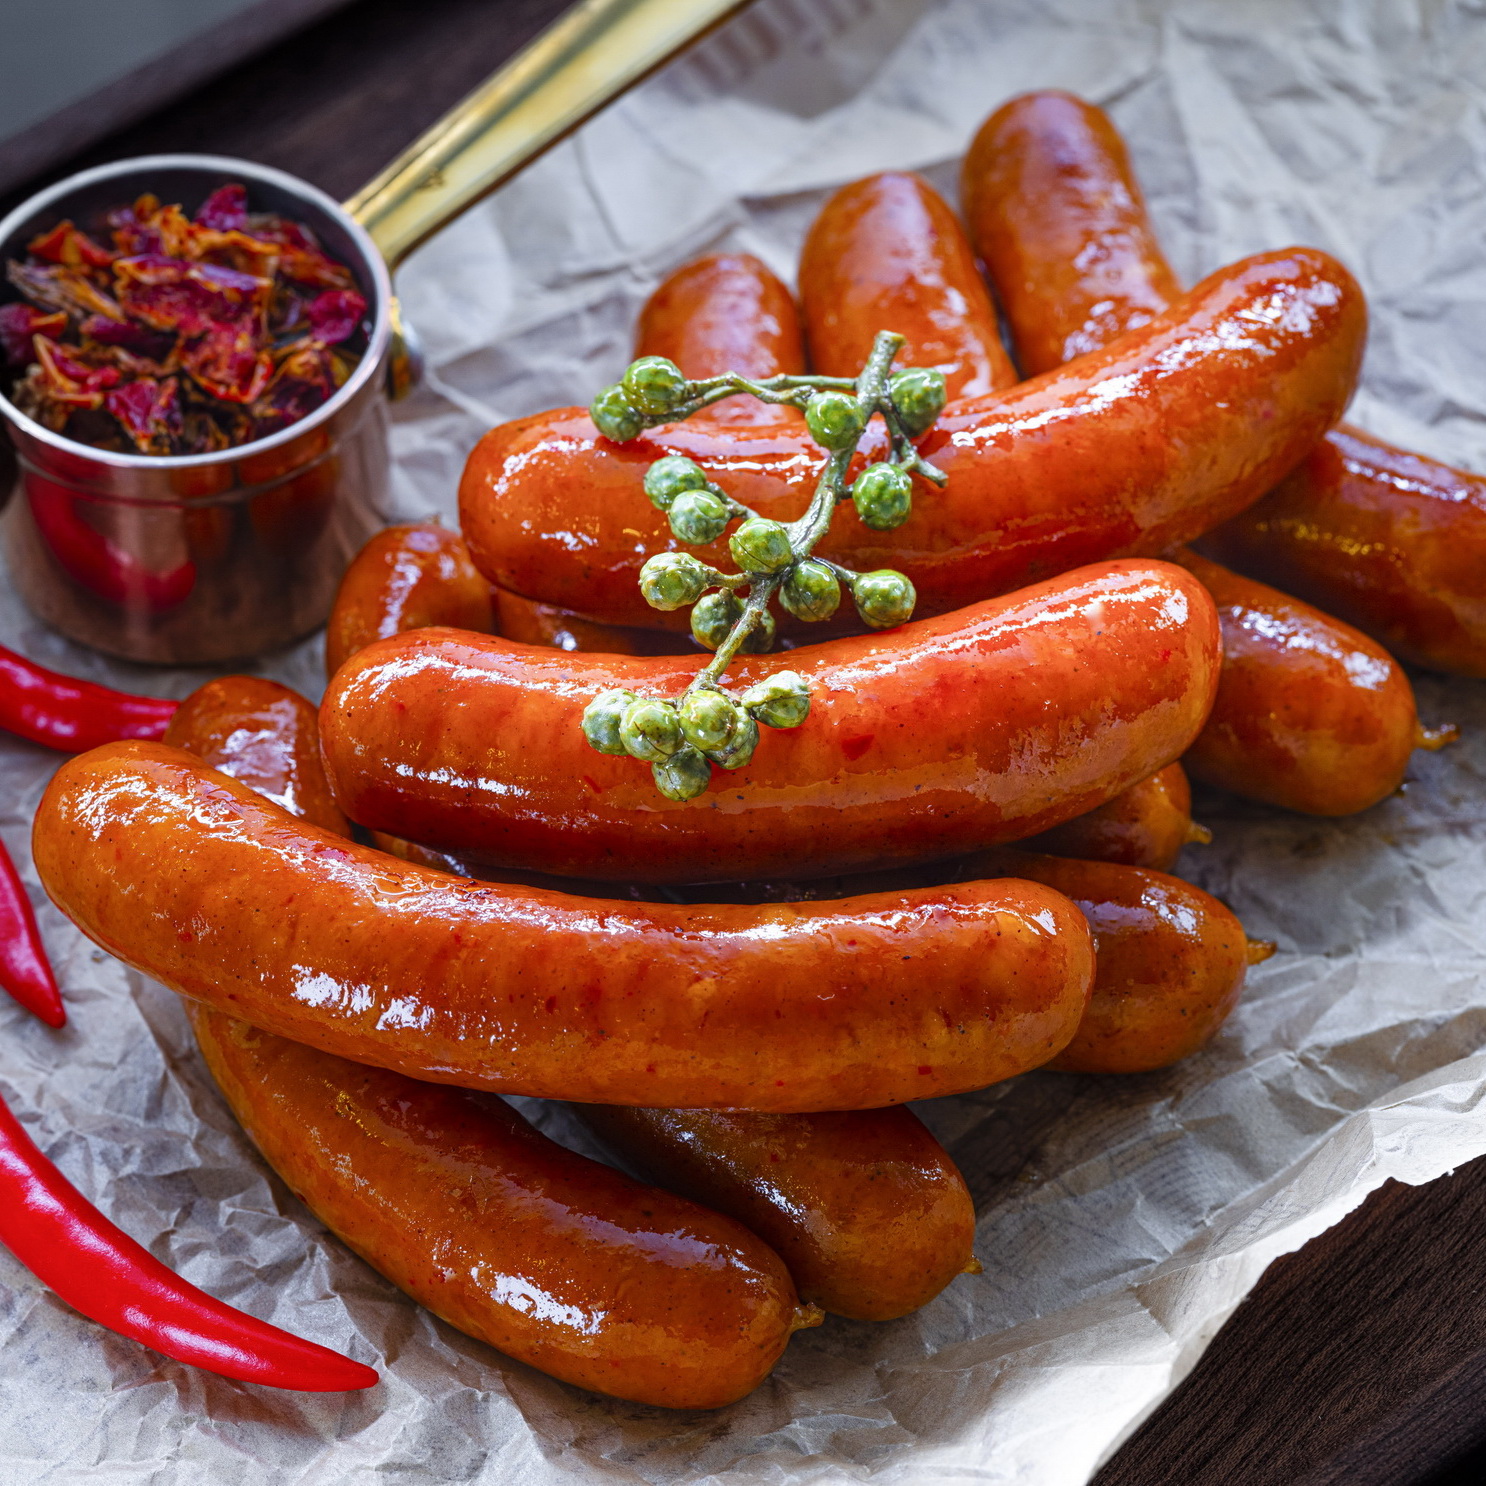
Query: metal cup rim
point(371, 362)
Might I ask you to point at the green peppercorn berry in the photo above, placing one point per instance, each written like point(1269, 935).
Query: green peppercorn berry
point(835, 419)
point(654, 385)
point(683, 776)
point(614, 415)
point(601, 720)
point(668, 477)
point(761, 546)
point(883, 496)
point(739, 747)
point(760, 639)
point(781, 701)
point(650, 730)
point(884, 598)
point(714, 616)
point(811, 591)
point(672, 580)
point(918, 395)
point(709, 719)
point(698, 516)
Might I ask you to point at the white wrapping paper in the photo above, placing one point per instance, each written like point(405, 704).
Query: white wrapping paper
point(1121, 1220)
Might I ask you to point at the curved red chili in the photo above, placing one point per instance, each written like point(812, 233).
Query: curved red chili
point(25, 970)
point(60, 712)
point(99, 1270)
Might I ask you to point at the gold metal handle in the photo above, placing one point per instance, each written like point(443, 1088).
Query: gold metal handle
point(576, 66)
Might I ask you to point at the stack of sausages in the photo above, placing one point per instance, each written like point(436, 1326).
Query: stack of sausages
point(955, 872)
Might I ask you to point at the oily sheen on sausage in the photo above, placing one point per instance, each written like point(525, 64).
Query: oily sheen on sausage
point(189, 876)
point(554, 1259)
point(1150, 441)
point(985, 725)
point(1387, 540)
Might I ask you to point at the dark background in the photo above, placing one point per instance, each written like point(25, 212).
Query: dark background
point(1361, 1359)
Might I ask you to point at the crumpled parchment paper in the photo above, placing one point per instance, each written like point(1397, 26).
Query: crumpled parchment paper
point(1122, 1219)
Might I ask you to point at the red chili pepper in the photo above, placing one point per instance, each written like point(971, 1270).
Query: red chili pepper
point(25, 970)
point(59, 712)
point(99, 1270)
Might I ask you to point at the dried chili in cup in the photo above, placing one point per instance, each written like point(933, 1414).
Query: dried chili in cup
point(161, 334)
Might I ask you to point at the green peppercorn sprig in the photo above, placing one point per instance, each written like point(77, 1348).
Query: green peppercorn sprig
point(683, 741)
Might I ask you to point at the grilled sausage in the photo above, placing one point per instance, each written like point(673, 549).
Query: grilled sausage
point(221, 895)
point(404, 578)
point(1126, 451)
point(865, 1207)
point(986, 725)
point(1144, 826)
point(554, 1259)
point(887, 253)
point(1391, 542)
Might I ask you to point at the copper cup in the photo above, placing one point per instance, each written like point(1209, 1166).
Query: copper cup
point(200, 558)
point(207, 558)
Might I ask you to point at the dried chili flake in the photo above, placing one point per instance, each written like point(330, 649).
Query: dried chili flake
point(226, 209)
point(19, 323)
point(65, 244)
point(149, 412)
point(60, 288)
point(155, 332)
point(334, 315)
point(125, 335)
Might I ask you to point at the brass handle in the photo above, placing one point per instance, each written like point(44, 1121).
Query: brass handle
point(581, 62)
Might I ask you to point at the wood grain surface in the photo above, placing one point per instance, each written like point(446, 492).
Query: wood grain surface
point(1361, 1359)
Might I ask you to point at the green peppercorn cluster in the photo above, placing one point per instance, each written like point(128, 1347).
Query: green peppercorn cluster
point(708, 727)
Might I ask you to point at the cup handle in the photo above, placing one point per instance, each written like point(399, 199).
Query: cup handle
point(584, 60)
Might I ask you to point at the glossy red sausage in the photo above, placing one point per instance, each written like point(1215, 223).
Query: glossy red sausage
point(1392, 542)
point(1171, 962)
point(868, 1211)
point(888, 253)
point(727, 312)
point(1310, 713)
point(1169, 959)
point(1058, 219)
point(985, 725)
point(1151, 441)
point(552, 1258)
point(1144, 826)
point(222, 896)
point(404, 578)
point(264, 735)
point(865, 1207)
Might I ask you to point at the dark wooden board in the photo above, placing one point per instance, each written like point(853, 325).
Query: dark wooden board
point(1361, 1359)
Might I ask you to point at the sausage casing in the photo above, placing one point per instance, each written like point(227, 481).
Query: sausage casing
point(866, 1209)
point(552, 1258)
point(1151, 441)
point(980, 726)
point(192, 878)
point(887, 253)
